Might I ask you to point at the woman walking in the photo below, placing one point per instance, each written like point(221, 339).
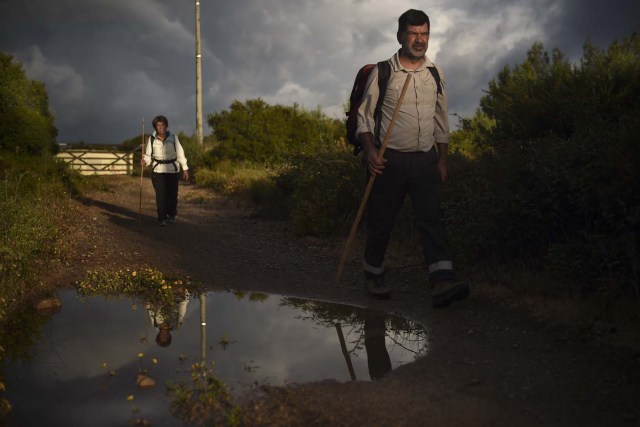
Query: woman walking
point(166, 156)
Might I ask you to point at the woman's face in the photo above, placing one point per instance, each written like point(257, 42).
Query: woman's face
point(161, 128)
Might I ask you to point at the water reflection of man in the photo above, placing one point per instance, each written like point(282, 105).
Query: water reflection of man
point(374, 342)
point(167, 318)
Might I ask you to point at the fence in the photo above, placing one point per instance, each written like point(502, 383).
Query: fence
point(99, 162)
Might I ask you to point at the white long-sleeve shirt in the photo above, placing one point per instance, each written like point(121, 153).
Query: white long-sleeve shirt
point(169, 149)
point(174, 317)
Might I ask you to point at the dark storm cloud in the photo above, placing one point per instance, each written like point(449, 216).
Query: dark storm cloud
point(491, 34)
point(109, 55)
point(108, 63)
point(599, 21)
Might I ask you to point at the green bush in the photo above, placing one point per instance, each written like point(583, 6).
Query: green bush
point(255, 131)
point(555, 182)
point(271, 202)
point(233, 179)
point(195, 153)
point(325, 192)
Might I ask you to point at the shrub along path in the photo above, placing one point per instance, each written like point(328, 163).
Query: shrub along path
point(491, 362)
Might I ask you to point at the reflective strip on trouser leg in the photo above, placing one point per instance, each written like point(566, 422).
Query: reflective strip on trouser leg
point(440, 271)
point(371, 269)
point(440, 265)
point(424, 190)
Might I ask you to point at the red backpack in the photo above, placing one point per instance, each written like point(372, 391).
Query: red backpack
point(384, 72)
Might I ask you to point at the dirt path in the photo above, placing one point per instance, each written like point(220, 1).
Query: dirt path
point(489, 364)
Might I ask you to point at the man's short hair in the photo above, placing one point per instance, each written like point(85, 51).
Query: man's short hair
point(158, 119)
point(412, 17)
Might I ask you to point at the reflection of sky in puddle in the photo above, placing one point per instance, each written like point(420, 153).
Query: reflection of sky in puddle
point(272, 340)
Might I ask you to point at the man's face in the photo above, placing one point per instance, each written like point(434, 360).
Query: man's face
point(414, 41)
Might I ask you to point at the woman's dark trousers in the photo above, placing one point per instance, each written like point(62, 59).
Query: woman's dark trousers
point(166, 186)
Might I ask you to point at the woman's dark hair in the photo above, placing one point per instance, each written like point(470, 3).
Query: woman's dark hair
point(158, 119)
point(414, 18)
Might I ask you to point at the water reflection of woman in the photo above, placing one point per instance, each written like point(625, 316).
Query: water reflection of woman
point(374, 342)
point(167, 318)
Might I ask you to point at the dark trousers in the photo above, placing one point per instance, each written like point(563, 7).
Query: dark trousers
point(415, 173)
point(378, 359)
point(166, 186)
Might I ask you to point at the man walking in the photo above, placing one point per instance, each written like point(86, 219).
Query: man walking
point(415, 161)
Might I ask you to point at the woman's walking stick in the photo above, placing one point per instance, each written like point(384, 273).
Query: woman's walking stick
point(372, 178)
point(141, 167)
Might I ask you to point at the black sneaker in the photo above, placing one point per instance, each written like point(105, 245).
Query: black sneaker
point(444, 293)
point(171, 219)
point(375, 286)
point(162, 223)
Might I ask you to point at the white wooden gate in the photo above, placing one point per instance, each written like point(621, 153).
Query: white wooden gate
point(98, 162)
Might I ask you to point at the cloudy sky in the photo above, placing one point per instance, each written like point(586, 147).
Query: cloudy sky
point(108, 64)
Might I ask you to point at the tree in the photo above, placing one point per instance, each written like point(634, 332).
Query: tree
point(27, 124)
point(532, 99)
point(558, 180)
point(258, 132)
point(474, 135)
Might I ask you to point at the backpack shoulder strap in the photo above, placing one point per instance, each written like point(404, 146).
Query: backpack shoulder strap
point(436, 77)
point(384, 74)
point(151, 139)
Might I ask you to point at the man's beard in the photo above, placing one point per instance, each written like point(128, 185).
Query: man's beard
point(416, 52)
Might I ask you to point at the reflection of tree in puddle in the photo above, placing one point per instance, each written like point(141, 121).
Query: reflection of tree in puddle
point(252, 296)
point(364, 327)
point(18, 334)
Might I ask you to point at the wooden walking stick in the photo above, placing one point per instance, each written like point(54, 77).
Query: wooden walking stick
point(345, 352)
point(141, 167)
point(372, 178)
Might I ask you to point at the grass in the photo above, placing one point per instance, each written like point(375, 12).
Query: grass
point(235, 180)
point(29, 230)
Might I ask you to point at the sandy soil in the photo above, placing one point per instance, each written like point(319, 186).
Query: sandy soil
point(493, 361)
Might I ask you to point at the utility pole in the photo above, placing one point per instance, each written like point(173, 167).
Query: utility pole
point(203, 328)
point(199, 135)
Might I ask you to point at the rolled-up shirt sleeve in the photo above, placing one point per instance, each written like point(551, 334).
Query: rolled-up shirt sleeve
point(366, 123)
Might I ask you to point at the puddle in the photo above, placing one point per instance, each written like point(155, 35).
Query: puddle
point(84, 365)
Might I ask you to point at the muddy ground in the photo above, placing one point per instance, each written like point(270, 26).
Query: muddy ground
point(495, 359)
